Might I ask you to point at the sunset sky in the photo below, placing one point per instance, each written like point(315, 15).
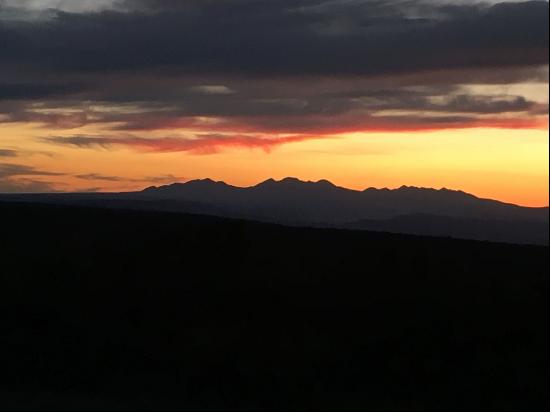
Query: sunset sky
point(119, 95)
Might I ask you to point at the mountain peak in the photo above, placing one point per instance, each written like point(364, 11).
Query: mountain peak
point(325, 182)
point(294, 181)
point(291, 180)
point(413, 188)
point(156, 188)
point(206, 182)
point(286, 180)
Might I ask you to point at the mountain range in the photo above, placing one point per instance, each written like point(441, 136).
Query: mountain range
point(290, 201)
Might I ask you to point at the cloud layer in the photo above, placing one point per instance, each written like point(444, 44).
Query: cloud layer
point(260, 73)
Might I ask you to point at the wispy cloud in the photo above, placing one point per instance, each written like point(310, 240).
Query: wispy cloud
point(168, 178)
point(17, 178)
point(8, 153)
point(203, 144)
point(99, 176)
point(8, 170)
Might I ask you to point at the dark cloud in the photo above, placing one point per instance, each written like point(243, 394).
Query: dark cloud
point(8, 153)
point(235, 71)
point(34, 91)
point(17, 178)
point(285, 109)
point(284, 37)
point(397, 110)
point(98, 176)
point(169, 178)
point(25, 186)
point(268, 132)
point(109, 178)
point(488, 104)
point(55, 116)
point(8, 170)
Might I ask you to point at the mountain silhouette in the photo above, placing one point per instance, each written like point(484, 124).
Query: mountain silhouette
point(321, 203)
point(290, 201)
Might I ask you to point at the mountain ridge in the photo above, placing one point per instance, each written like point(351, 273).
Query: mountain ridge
point(406, 209)
point(296, 182)
point(294, 202)
point(287, 181)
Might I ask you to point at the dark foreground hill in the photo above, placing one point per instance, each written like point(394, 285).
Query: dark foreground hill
point(113, 309)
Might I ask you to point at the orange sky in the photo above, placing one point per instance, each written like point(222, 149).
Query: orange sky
point(362, 93)
point(505, 164)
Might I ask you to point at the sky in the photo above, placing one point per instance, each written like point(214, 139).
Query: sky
point(118, 95)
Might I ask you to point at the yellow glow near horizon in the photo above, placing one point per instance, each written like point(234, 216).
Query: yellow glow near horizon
point(508, 165)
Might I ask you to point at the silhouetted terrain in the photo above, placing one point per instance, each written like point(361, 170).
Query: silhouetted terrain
point(118, 309)
point(531, 232)
point(294, 201)
point(322, 204)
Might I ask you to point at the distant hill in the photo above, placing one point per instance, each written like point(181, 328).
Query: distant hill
point(531, 232)
point(322, 204)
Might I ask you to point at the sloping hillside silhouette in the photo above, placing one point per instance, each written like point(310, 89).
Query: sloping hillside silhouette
point(528, 232)
point(116, 309)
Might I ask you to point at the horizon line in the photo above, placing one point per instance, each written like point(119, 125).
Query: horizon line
point(287, 178)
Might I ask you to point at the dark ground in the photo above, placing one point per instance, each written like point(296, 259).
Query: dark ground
point(112, 309)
